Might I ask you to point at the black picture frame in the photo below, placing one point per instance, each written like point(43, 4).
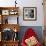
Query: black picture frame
point(29, 13)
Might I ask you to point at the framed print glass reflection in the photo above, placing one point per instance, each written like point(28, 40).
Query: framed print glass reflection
point(30, 13)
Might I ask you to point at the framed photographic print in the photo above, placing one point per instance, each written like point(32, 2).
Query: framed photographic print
point(13, 12)
point(30, 13)
point(5, 12)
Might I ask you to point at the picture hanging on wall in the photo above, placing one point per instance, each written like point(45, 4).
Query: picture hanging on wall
point(29, 13)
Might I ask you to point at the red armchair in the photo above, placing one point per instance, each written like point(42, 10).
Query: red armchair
point(30, 34)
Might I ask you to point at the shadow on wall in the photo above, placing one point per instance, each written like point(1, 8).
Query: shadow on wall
point(37, 29)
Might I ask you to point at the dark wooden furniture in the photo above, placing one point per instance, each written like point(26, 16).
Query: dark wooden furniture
point(8, 11)
point(4, 13)
point(10, 43)
point(0, 43)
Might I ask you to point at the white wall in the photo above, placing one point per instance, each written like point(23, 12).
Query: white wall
point(26, 3)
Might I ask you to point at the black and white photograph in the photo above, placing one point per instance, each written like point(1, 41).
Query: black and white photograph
point(29, 13)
